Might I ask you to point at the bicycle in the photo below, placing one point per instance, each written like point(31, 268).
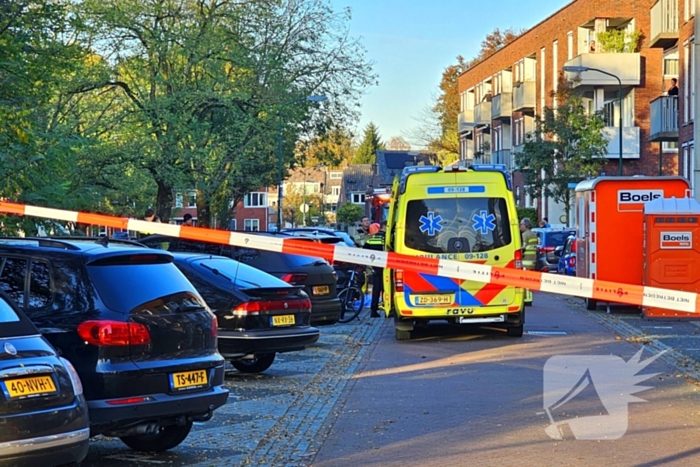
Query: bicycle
point(352, 300)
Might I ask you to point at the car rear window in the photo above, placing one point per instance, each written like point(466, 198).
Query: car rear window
point(242, 275)
point(556, 238)
point(123, 287)
point(454, 225)
point(7, 314)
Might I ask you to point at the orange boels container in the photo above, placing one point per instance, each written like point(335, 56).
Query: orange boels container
point(672, 250)
point(610, 225)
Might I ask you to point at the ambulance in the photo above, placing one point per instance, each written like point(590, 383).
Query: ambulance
point(461, 213)
point(610, 225)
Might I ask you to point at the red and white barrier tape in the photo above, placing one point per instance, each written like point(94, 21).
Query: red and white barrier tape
point(604, 291)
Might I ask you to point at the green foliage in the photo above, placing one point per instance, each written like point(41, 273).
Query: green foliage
point(618, 40)
point(567, 146)
point(530, 213)
point(349, 213)
point(367, 150)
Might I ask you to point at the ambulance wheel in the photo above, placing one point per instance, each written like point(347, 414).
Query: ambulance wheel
point(403, 335)
point(515, 331)
point(591, 304)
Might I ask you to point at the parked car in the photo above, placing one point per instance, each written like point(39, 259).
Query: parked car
point(315, 275)
point(347, 239)
point(567, 258)
point(547, 242)
point(136, 330)
point(44, 413)
point(259, 315)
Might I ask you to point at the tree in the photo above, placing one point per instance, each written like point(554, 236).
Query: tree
point(367, 150)
point(398, 143)
point(494, 42)
point(566, 147)
point(333, 149)
point(349, 213)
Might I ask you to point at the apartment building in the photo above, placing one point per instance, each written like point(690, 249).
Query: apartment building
point(501, 95)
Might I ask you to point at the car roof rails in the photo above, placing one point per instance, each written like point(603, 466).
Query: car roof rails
point(414, 169)
point(44, 242)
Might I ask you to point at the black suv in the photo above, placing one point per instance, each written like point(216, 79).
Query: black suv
point(139, 335)
point(314, 274)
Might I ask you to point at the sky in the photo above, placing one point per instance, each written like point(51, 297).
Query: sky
point(411, 42)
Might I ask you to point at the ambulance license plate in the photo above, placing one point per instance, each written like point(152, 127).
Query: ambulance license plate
point(433, 299)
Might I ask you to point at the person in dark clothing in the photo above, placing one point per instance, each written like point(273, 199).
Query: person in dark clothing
point(376, 242)
point(673, 90)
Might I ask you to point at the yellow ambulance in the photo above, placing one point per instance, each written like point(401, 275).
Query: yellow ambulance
point(459, 213)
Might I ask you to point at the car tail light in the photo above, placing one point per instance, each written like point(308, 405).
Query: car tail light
point(295, 279)
point(215, 327)
point(264, 306)
point(74, 378)
point(545, 249)
point(572, 261)
point(518, 259)
point(105, 333)
point(398, 280)
point(130, 400)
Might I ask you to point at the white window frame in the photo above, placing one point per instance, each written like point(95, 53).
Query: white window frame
point(360, 196)
point(335, 190)
point(686, 83)
point(191, 199)
point(249, 224)
point(570, 45)
point(335, 175)
point(555, 71)
point(255, 199)
point(543, 71)
point(178, 200)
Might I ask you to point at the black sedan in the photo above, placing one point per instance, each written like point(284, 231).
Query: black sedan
point(259, 315)
point(44, 413)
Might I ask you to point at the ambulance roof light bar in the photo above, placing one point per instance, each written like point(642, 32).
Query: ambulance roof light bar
point(414, 169)
point(494, 168)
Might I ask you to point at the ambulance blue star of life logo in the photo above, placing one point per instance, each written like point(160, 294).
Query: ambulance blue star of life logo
point(430, 224)
point(484, 222)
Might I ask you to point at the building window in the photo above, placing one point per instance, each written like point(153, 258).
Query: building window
point(255, 200)
point(570, 45)
point(357, 198)
point(178, 200)
point(555, 71)
point(335, 190)
point(232, 224)
point(251, 225)
point(671, 64)
point(519, 131)
point(335, 175)
point(543, 71)
point(687, 73)
point(692, 79)
point(689, 10)
point(191, 199)
point(669, 146)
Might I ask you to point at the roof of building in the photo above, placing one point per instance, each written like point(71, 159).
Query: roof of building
point(391, 163)
point(356, 178)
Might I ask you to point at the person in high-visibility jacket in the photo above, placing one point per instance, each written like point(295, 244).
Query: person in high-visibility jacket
point(376, 242)
point(529, 251)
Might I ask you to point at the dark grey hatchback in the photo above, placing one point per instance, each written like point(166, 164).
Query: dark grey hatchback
point(137, 331)
point(43, 410)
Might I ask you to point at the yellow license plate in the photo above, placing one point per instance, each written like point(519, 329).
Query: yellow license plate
point(23, 387)
point(321, 290)
point(434, 299)
point(189, 379)
point(284, 320)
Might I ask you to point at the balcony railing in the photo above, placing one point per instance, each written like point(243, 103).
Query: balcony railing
point(630, 142)
point(465, 121)
point(502, 106)
point(626, 66)
point(503, 156)
point(524, 96)
point(664, 24)
point(482, 113)
point(482, 158)
point(664, 119)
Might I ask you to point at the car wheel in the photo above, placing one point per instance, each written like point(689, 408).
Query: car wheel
point(260, 363)
point(515, 331)
point(591, 304)
point(167, 438)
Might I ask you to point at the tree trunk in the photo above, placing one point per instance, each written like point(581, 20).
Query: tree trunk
point(164, 202)
point(203, 211)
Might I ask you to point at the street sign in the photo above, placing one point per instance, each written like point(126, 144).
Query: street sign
point(304, 208)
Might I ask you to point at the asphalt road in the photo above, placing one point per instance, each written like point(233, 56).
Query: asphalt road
point(455, 396)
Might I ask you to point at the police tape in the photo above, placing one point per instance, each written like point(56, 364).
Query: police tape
point(604, 291)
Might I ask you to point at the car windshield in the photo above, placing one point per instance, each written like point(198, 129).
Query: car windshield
point(451, 225)
point(556, 238)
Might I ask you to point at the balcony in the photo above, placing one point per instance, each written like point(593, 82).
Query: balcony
point(630, 142)
point(626, 66)
point(664, 119)
point(503, 156)
point(664, 24)
point(465, 121)
point(482, 113)
point(482, 158)
point(524, 96)
point(502, 106)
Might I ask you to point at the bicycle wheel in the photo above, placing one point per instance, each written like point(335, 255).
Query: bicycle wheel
point(351, 303)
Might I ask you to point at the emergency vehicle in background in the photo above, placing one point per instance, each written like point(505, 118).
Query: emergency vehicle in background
point(610, 225)
point(379, 204)
point(460, 213)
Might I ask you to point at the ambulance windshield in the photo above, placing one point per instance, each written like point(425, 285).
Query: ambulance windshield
point(457, 225)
